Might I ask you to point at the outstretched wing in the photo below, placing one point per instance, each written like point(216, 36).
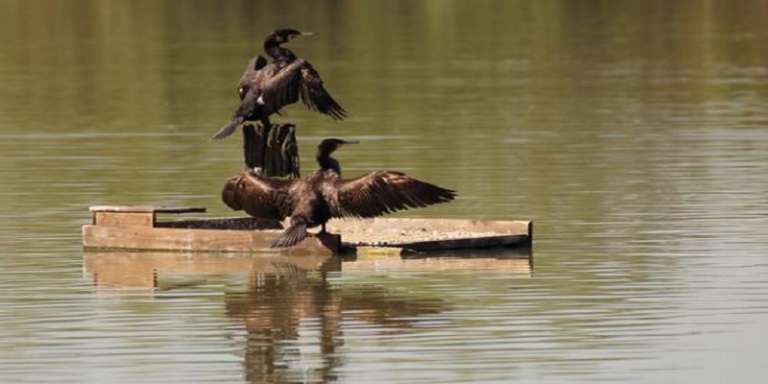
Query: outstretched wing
point(314, 95)
point(383, 192)
point(258, 196)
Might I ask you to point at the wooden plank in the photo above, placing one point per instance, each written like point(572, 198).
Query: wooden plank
point(418, 235)
point(272, 148)
point(379, 263)
point(366, 251)
point(145, 209)
point(124, 219)
point(232, 223)
point(179, 239)
point(467, 243)
point(380, 225)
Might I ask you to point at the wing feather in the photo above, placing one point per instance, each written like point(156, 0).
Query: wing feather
point(258, 196)
point(283, 87)
point(384, 192)
point(314, 95)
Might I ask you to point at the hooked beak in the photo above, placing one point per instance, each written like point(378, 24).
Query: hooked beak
point(300, 34)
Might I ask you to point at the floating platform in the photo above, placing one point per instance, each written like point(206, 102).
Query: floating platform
point(138, 228)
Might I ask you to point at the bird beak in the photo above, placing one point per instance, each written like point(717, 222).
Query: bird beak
point(308, 34)
point(351, 142)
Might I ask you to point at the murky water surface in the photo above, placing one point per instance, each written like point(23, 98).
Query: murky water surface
point(634, 134)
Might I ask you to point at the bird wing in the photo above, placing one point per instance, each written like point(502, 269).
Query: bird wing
point(258, 196)
point(299, 79)
point(283, 87)
point(250, 73)
point(314, 95)
point(383, 192)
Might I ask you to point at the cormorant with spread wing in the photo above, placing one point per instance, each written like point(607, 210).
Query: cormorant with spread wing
point(264, 88)
point(313, 200)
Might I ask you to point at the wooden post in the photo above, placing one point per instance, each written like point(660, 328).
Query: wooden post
point(272, 148)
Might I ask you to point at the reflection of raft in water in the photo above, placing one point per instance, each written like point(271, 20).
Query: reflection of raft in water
point(164, 269)
point(137, 228)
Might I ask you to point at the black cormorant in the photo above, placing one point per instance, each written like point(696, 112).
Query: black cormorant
point(313, 200)
point(266, 88)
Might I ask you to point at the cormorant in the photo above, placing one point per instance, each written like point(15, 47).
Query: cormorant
point(313, 200)
point(264, 88)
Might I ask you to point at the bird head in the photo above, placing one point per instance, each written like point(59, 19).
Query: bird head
point(284, 35)
point(329, 145)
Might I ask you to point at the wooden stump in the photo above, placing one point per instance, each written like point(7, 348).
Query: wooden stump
point(272, 148)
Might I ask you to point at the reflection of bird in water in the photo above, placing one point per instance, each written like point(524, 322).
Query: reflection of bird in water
point(276, 308)
point(266, 88)
point(313, 200)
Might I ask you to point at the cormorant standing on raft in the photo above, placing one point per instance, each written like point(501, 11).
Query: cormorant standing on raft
point(264, 88)
point(313, 200)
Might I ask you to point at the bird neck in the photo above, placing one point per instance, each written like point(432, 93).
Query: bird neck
point(276, 52)
point(326, 162)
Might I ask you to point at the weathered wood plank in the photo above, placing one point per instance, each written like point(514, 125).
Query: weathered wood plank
point(379, 224)
point(467, 243)
point(145, 209)
point(406, 248)
point(382, 263)
point(124, 219)
point(231, 223)
point(419, 235)
point(272, 148)
point(179, 239)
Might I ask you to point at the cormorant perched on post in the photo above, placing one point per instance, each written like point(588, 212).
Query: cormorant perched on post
point(266, 88)
point(313, 200)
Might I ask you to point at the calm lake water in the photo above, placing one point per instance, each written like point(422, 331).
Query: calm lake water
point(634, 134)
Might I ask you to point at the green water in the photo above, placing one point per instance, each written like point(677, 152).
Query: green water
point(634, 134)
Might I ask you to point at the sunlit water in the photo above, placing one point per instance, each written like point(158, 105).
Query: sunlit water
point(632, 133)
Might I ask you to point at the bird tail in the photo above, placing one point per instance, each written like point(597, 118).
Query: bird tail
point(291, 236)
point(228, 129)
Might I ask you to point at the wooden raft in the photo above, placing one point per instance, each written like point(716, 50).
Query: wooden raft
point(138, 228)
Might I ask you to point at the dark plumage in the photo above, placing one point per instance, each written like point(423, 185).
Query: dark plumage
point(264, 88)
point(313, 200)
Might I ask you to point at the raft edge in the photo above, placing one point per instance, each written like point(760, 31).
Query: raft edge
point(96, 237)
